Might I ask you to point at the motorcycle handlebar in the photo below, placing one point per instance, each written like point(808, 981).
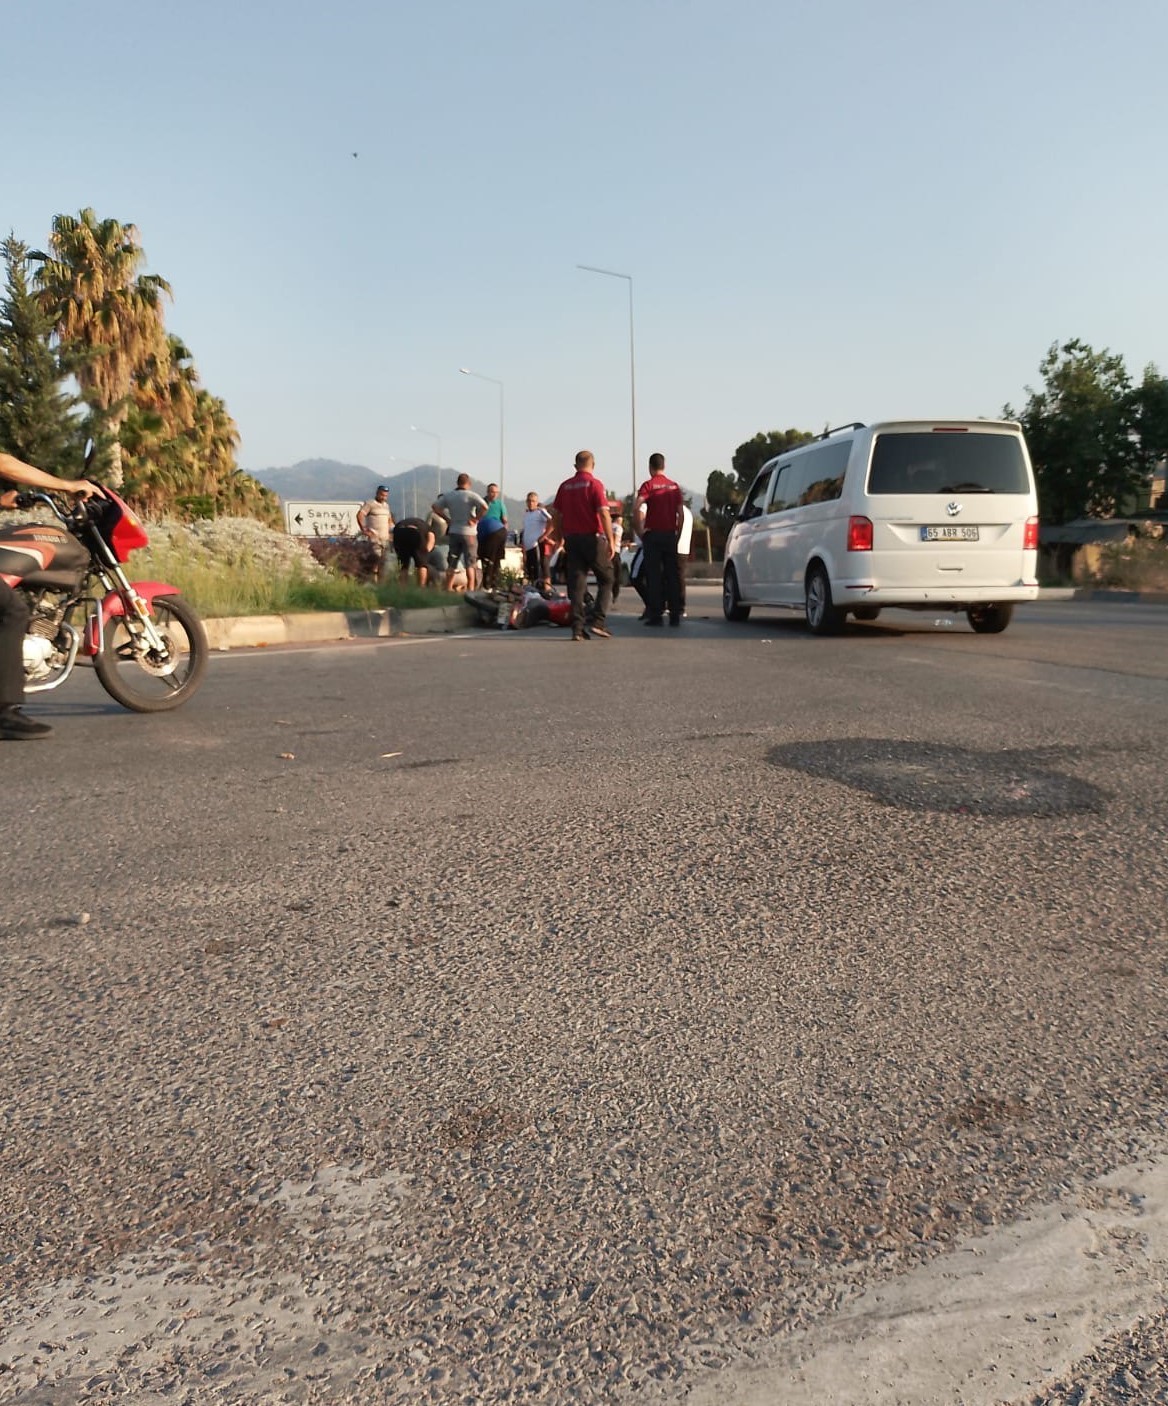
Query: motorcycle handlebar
point(64, 505)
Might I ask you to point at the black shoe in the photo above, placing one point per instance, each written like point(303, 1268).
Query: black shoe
point(601, 633)
point(644, 615)
point(675, 621)
point(17, 726)
point(579, 635)
point(654, 622)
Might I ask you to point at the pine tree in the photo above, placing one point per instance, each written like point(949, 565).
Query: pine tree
point(37, 419)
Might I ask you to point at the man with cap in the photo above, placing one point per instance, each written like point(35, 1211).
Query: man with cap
point(375, 522)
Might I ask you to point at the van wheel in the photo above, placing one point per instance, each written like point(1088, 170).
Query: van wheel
point(866, 612)
point(732, 607)
point(823, 618)
point(989, 619)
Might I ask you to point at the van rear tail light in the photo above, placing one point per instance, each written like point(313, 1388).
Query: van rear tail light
point(1030, 535)
point(859, 534)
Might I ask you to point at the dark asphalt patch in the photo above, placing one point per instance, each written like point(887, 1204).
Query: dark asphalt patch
point(938, 777)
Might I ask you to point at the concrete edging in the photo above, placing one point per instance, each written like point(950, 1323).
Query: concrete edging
point(257, 631)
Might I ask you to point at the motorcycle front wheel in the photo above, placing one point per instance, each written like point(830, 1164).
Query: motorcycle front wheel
point(149, 680)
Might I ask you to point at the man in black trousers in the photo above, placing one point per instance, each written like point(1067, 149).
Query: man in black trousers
point(580, 518)
point(660, 513)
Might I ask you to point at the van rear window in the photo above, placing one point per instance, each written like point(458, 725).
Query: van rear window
point(927, 462)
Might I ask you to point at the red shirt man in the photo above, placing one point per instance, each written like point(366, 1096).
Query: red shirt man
point(580, 500)
point(658, 519)
point(580, 516)
point(663, 503)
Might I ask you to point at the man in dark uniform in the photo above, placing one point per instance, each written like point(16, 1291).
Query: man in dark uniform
point(14, 723)
point(580, 518)
point(660, 512)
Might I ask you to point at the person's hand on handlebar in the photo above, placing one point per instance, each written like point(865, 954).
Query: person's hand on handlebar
point(13, 470)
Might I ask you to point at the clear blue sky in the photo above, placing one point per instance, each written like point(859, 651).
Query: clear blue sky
point(831, 211)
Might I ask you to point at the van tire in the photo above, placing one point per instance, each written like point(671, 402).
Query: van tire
point(823, 618)
point(989, 619)
point(866, 613)
point(732, 607)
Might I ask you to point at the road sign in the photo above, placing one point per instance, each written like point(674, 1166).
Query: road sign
point(322, 519)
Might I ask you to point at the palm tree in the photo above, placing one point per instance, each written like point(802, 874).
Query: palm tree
point(106, 313)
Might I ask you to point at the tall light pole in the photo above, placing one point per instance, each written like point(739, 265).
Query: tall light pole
point(417, 429)
point(466, 371)
point(628, 277)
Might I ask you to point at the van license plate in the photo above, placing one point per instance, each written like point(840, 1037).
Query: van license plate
point(948, 534)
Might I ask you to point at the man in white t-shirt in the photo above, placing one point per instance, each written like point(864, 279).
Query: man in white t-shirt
point(375, 523)
point(684, 537)
point(537, 549)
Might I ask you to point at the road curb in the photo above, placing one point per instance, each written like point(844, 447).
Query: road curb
point(1120, 597)
point(447, 620)
point(321, 626)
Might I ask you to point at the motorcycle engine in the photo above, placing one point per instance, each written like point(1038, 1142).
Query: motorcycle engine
point(39, 656)
point(41, 653)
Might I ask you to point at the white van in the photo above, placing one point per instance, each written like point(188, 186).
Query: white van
point(919, 514)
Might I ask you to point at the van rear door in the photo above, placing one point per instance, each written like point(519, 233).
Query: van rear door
point(952, 507)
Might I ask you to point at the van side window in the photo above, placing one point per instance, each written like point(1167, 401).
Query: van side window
point(756, 502)
point(824, 477)
point(781, 492)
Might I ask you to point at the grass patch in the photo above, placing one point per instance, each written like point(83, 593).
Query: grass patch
point(412, 597)
point(219, 589)
point(236, 566)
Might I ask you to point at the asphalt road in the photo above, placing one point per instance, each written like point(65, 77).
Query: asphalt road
point(637, 1000)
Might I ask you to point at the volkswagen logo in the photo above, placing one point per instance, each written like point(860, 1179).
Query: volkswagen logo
point(953, 508)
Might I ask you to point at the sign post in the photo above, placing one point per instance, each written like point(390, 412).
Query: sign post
point(321, 519)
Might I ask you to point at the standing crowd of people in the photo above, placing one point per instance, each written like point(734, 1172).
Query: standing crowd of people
point(579, 524)
point(462, 530)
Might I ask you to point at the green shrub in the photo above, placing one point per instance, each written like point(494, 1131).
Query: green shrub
point(237, 566)
point(1139, 564)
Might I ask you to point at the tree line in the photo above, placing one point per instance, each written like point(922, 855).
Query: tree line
point(85, 356)
point(1095, 437)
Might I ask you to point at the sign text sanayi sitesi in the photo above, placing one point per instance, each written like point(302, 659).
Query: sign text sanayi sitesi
point(321, 519)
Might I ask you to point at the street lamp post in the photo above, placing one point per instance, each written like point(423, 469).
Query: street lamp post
point(417, 429)
point(466, 371)
point(628, 277)
point(393, 460)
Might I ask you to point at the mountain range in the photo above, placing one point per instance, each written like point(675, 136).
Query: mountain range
point(410, 492)
point(329, 481)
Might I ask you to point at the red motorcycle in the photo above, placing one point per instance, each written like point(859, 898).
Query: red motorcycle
point(148, 647)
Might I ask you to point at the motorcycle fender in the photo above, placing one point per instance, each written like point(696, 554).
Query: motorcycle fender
point(113, 606)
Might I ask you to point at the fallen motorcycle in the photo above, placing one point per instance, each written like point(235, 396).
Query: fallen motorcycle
point(148, 646)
